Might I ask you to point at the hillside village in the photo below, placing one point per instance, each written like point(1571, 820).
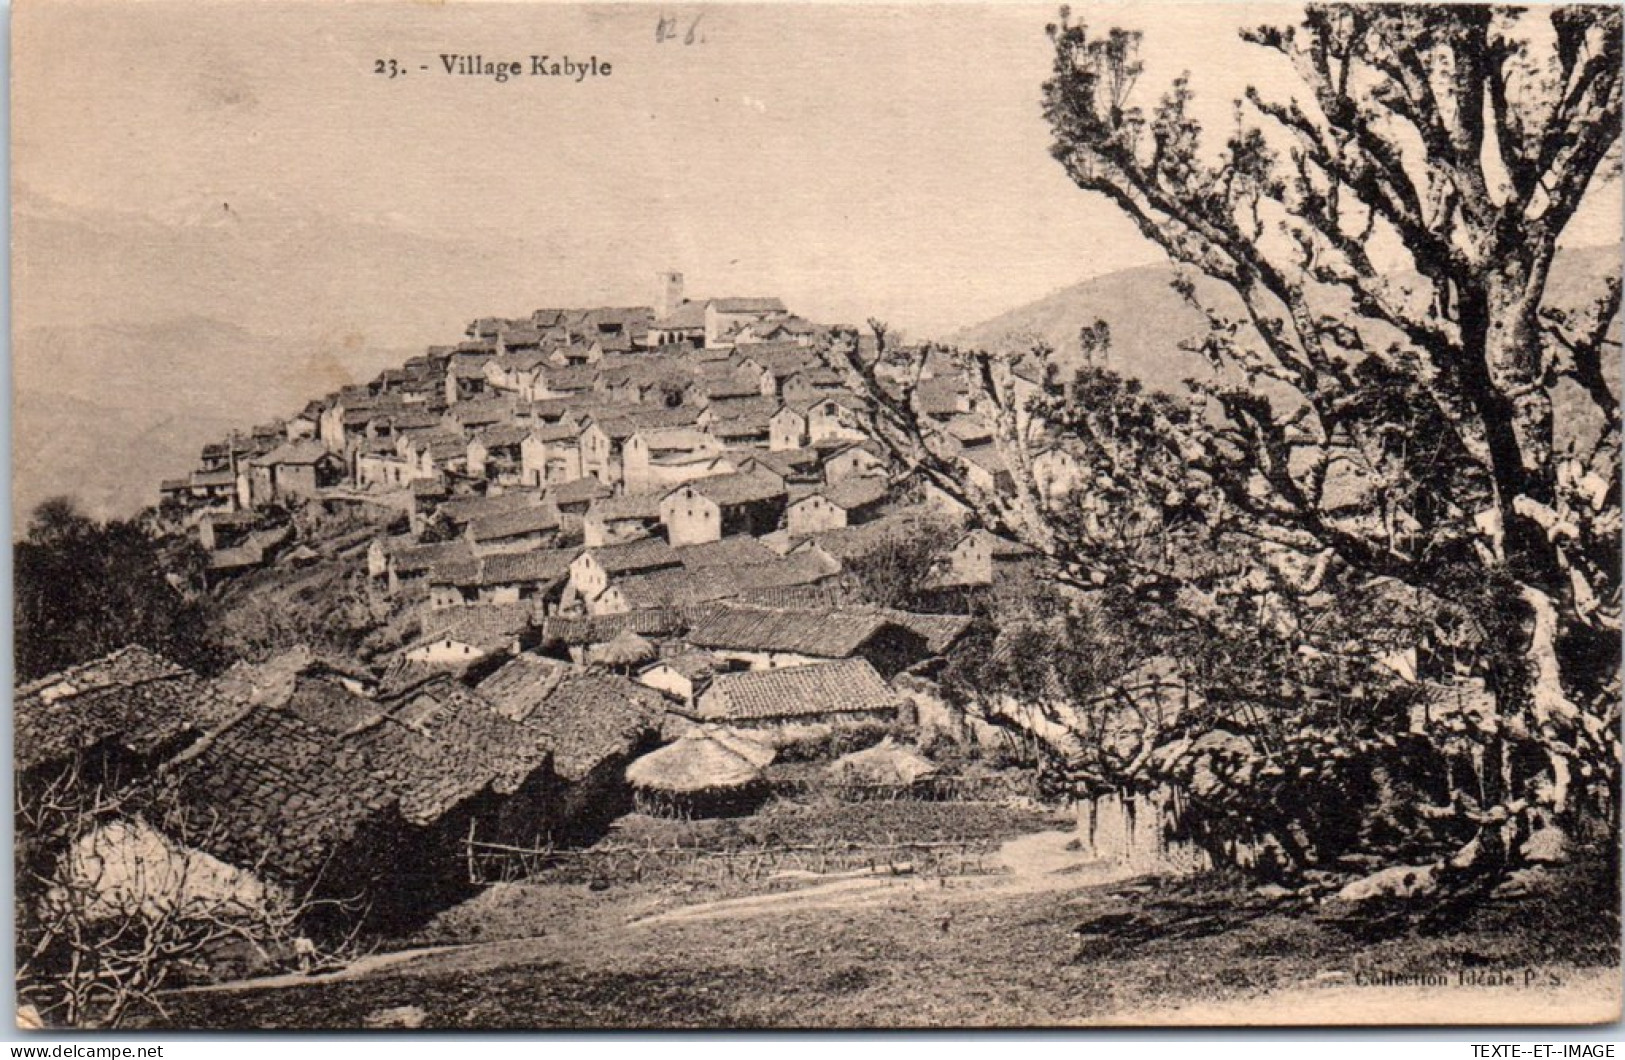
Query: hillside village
point(589, 539)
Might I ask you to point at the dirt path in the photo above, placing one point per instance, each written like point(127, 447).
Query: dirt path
point(1031, 864)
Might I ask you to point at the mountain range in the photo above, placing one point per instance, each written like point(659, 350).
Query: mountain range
point(114, 391)
point(1149, 320)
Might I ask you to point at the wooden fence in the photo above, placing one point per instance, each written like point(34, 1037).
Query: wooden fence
point(755, 864)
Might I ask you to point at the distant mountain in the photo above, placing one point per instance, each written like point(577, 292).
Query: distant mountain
point(137, 332)
point(103, 412)
point(1149, 320)
point(109, 459)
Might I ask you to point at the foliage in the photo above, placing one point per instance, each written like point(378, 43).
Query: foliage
point(85, 588)
point(1372, 480)
point(895, 571)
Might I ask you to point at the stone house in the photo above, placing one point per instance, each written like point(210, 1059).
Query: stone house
point(838, 693)
point(837, 418)
point(653, 458)
point(709, 509)
point(502, 578)
point(848, 459)
point(495, 452)
point(771, 638)
point(595, 569)
point(112, 720)
point(522, 530)
point(466, 637)
point(1056, 472)
point(844, 503)
point(409, 567)
point(683, 676)
point(726, 317)
point(987, 469)
point(978, 557)
point(550, 453)
point(294, 469)
point(612, 520)
point(787, 428)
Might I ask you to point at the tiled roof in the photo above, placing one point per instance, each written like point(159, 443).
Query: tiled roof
point(686, 317)
point(445, 744)
point(133, 696)
point(1001, 547)
point(414, 420)
point(939, 631)
point(731, 387)
point(329, 706)
point(786, 463)
point(754, 408)
point(481, 413)
point(693, 665)
point(237, 558)
point(779, 358)
point(421, 558)
point(839, 687)
point(592, 717)
point(574, 377)
point(739, 550)
point(508, 568)
point(596, 629)
point(463, 509)
point(657, 418)
point(675, 439)
point(847, 542)
point(275, 792)
point(940, 395)
point(821, 595)
point(503, 436)
point(519, 687)
point(577, 491)
point(300, 452)
point(986, 457)
point(488, 627)
point(682, 587)
point(735, 489)
point(555, 432)
point(537, 519)
point(232, 519)
point(644, 554)
point(627, 506)
point(857, 491)
point(223, 477)
point(826, 634)
point(969, 429)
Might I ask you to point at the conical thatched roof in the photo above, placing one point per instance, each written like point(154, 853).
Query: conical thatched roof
point(886, 763)
point(759, 754)
point(624, 649)
point(703, 760)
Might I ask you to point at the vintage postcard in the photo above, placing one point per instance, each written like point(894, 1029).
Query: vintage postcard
point(574, 515)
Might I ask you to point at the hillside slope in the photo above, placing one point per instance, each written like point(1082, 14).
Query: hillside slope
point(1149, 320)
point(103, 412)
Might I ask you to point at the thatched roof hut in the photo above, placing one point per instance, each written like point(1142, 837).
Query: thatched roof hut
point(623, 651)
point(706, 770)
point(886, 765)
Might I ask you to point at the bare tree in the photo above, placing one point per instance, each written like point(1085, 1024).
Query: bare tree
point(112, 911)
point(1357, 429)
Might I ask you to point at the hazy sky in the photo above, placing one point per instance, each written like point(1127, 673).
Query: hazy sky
point(853, 159)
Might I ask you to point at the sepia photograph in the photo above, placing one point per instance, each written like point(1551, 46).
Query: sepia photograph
point(539, 516)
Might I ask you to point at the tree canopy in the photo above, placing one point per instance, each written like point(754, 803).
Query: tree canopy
point(1370, 511)
point(85, 588)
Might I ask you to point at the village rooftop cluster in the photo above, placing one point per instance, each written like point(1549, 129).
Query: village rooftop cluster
point(605, 529)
